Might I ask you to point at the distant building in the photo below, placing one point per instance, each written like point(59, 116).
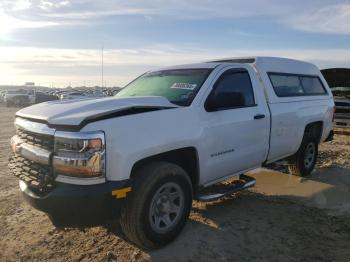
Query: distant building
point(25, 86)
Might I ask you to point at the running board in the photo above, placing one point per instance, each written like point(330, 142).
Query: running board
point(243, 183)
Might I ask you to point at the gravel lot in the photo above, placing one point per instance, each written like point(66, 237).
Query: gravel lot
point(284, 218)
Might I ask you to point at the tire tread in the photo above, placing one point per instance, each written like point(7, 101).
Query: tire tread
point(145, 178)
point(295, 165)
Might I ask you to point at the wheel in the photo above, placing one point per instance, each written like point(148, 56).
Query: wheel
point(158, 207)
point(303, 162)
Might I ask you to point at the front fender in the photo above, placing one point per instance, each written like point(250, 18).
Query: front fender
point(130, 139)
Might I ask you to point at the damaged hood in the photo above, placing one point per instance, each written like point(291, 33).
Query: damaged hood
point(78, 112)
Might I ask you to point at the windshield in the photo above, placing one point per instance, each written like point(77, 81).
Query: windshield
point(178, 86)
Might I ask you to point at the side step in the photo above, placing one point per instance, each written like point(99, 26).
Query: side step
point(243, 183)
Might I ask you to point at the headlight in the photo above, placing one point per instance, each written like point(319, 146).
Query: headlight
point(79, 154)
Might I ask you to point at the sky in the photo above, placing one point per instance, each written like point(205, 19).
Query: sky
point(59, 43)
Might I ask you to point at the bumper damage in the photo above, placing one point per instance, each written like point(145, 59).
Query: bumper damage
point(70, 205)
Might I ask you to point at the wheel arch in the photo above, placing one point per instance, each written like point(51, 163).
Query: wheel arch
point(186, 158)
point(315, 128)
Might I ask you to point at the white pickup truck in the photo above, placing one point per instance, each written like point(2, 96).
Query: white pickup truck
point(19, 97)
point(168, 135)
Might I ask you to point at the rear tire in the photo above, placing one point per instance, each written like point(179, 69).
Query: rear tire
point(304, 161)
point(157, 209)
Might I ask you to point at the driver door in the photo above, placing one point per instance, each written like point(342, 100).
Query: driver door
point(237, 130)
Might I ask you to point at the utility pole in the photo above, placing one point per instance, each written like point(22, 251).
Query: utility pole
point(102, 67)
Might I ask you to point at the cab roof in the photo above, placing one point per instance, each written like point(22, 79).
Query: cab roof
point(267, 64)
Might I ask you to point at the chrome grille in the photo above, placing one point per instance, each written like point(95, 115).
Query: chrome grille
point(32, 141)
point(35, 139)
point(342, 107)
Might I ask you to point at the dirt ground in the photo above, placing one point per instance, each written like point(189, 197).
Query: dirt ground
point(284, 218)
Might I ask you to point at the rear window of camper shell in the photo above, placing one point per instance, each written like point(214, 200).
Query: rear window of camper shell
point(287, 85)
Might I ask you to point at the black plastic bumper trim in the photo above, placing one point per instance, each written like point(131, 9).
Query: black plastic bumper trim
point(78, 205)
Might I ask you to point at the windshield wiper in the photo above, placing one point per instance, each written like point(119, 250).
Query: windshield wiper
point(180, 102)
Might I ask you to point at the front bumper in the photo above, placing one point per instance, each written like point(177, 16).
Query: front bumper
point(342, 121)
point(342, 124)
point(70, 205)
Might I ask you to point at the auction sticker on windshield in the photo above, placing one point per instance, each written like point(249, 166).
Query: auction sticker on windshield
point(185, 86)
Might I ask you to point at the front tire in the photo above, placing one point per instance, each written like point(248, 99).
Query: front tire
point(159, 205)
point(304, 161)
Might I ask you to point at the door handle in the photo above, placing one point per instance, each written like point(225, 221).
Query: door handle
point(259, 116)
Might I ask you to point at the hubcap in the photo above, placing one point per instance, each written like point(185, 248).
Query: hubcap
point(166, 207)
point(310, 154)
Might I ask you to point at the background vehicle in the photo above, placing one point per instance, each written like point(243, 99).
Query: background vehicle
point(19, 97)
point(95, 94)
point(166, 138)
point(41, 97)
point(26, 97)
point(339, 81)
point(342, 114)
point(72, 95)
point(2, 96)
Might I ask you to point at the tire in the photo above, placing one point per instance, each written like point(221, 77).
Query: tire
point(304, 161)
point(150, 187)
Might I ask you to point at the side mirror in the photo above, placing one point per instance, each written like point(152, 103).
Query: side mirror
point(223, 101)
